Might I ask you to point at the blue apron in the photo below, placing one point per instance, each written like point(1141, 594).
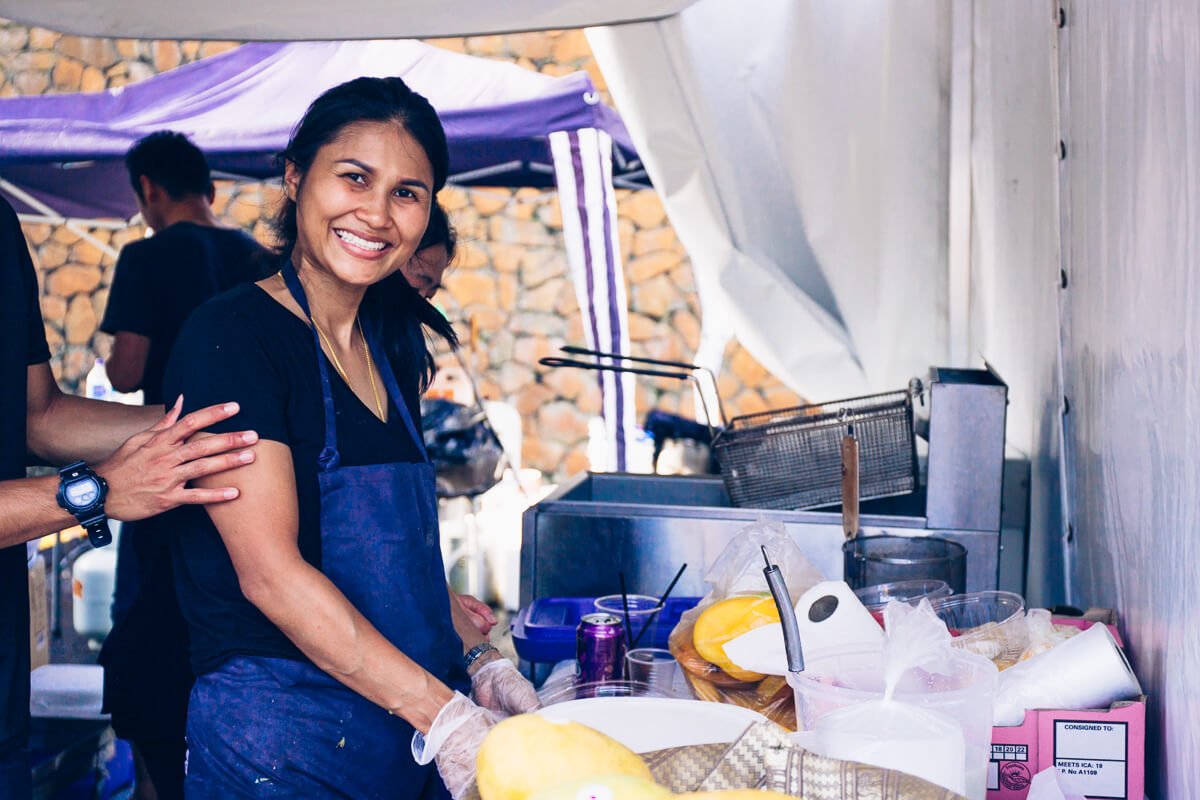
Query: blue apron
point(272, 727)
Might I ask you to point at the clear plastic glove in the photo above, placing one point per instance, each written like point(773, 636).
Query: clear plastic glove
point(499, 687)
point(453, 742)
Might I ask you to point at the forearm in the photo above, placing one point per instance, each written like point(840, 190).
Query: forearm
point(28, 510)
point(304, 604)
point(71, 428)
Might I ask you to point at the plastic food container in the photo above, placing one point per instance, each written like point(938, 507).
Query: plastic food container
point(991, 624)
point(544, 631)
point(644, 724)
point(876, 598)
point(939, 727)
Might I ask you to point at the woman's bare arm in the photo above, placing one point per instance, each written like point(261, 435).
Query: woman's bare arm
point(259, 529)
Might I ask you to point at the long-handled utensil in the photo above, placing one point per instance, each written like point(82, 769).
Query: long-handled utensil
point(850, 515)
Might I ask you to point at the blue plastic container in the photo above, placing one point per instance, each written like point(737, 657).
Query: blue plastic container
point(544, 632)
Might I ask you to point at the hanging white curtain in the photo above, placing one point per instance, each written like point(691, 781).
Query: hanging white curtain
point(801, 149)
point(583, 172)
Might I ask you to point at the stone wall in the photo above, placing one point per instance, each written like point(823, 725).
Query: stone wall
point(508, 292)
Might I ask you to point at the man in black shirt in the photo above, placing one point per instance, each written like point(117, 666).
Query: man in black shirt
point(145, 459)
point(159, 282)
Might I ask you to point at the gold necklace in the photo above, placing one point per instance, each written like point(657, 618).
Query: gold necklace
point(366, 354)
point(337, 364)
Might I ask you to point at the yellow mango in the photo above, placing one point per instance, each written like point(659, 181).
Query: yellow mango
point(527, 753)
point(736, 794)
point(728, 619)
point(606, 787)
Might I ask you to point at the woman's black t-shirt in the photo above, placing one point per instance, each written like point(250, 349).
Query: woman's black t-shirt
point(244, 346)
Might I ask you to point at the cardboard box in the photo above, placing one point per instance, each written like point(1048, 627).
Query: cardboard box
point(39, 614)
point(1104, 750)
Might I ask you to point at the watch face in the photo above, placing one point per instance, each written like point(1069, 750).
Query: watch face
point(83, 492)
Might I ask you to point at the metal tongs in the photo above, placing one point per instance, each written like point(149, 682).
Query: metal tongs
point(787, 615)
point(679, 371)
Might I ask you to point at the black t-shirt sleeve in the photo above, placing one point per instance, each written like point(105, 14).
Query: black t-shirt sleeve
point(218, 358)
point(12, 237)
point(36, 338)
point(130, 299)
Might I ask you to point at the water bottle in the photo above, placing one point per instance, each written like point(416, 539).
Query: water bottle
point(96, 385)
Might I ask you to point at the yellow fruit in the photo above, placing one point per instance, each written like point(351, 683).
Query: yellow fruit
point(737, 794)
point(527, 753)
point(728, 619)
point(606, 787)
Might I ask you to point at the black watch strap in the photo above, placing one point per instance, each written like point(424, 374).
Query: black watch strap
point(97, 529)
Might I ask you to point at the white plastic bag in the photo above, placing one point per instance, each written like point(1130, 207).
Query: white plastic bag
point(737, 573)
point(1050, 784)
point(898, 731)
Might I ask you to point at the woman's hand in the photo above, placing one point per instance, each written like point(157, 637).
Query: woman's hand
point(479, 612)
point(499, 687)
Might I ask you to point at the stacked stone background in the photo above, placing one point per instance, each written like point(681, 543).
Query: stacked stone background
point(509, 291)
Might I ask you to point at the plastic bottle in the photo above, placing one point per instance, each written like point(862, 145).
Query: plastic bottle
point(97, 385)
point(94, 581)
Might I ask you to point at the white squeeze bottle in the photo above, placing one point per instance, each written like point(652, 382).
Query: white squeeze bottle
point(96, 384)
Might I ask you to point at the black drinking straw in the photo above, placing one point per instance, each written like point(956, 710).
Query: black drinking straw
point(625, 619)
point(658, 608)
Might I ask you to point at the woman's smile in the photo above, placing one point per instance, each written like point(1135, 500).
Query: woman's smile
point(361, 245)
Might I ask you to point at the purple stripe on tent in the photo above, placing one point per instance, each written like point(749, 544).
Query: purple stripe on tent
point(581, 207)
point(614, 310)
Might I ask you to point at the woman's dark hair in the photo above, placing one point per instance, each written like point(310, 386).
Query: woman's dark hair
point(392, 306)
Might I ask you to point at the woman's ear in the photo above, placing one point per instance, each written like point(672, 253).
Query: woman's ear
point(291, 180)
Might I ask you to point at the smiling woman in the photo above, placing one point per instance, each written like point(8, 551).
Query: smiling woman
point(322, 631)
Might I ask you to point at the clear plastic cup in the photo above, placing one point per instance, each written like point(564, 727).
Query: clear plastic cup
point(990, 623)
point(653, 666)
point(942, 732)
point(644, 613)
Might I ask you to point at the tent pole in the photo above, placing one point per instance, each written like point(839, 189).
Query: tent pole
point(52, 217)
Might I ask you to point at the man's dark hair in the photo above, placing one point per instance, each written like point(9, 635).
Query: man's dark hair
point(171, 161)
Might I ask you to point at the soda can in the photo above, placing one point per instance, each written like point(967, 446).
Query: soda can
point(599, 648)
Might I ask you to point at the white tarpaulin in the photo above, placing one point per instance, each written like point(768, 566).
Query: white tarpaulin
point(1131, 242)
point(1014, 281)
point(291, 20)
point(1085, 288)
point(801, 150)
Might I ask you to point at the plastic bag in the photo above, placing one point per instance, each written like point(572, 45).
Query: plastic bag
point(1043, 633)
point(738, 600)
point(922, 740)
point(1050, 784)
point(465, 452)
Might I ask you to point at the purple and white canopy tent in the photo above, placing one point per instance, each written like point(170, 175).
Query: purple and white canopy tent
point(61, 155)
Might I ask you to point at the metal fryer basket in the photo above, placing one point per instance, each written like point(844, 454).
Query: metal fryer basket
point(791, 458)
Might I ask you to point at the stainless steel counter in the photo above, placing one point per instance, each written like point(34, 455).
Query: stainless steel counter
point(578, 540)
